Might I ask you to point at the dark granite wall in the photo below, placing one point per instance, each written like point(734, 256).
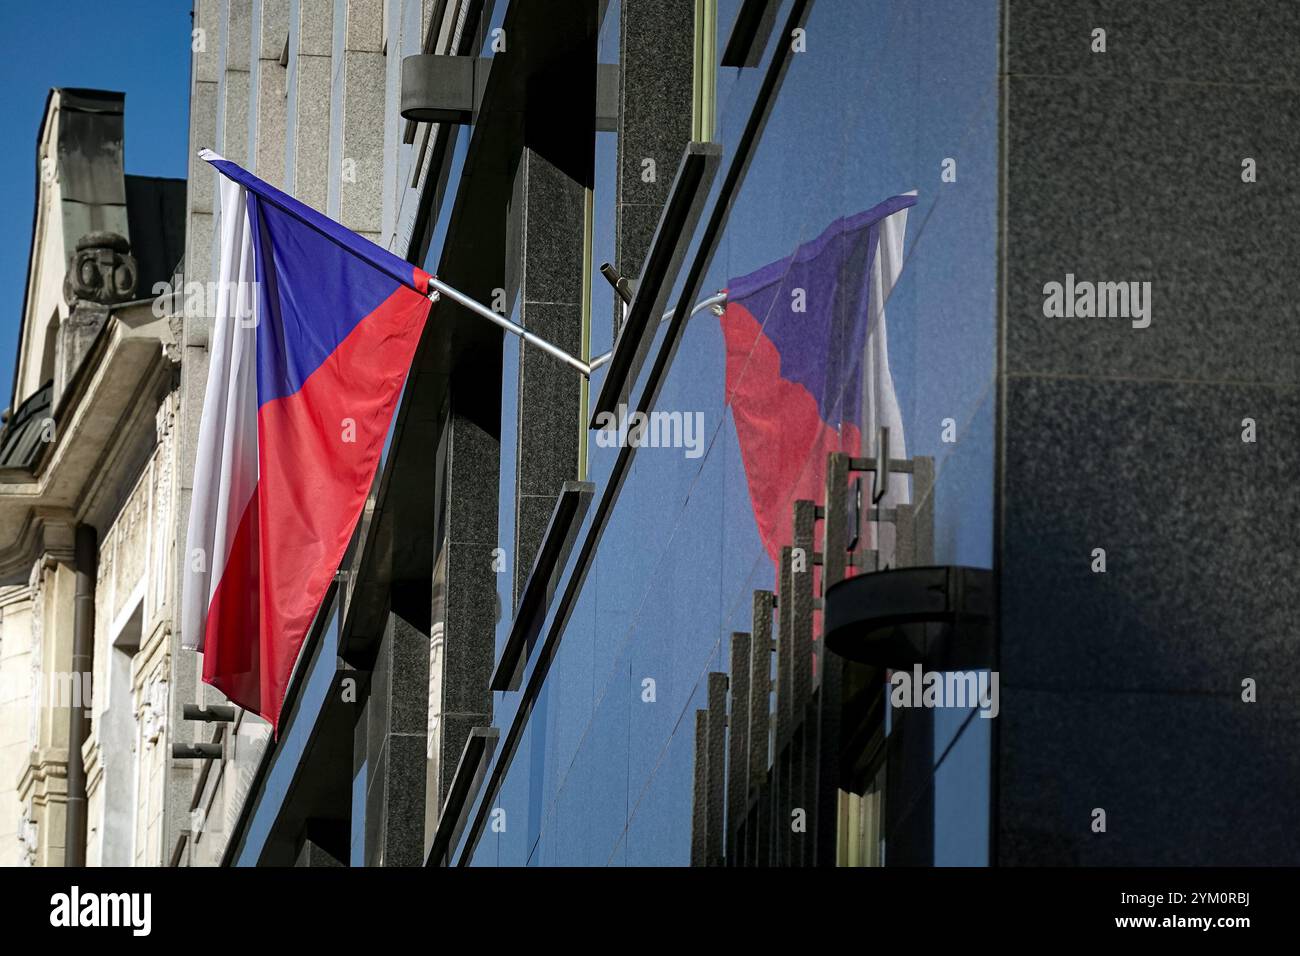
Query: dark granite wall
point(656, 51)
point(1122, 691)
point(470, 611)
point(395, 732)
point(551, 306)
point(553, 174)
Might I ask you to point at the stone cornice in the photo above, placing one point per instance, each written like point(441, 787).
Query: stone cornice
point(46, 531)
point(46, 773)
point(111, 405)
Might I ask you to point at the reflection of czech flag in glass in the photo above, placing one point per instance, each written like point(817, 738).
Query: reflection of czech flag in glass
point(808, 363)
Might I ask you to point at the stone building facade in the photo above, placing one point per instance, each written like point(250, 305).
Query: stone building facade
point(87, 505)
point(106, 404)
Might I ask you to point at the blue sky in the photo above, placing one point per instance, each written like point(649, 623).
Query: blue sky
point(138, 47)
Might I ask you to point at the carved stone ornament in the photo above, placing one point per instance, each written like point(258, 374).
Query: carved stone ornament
point(102, 270)
point(153, 713)
point(28, 837)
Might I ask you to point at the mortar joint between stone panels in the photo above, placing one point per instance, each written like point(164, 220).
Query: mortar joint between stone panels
point(1152, 380)
point(1153, 80)
point(1077, 690)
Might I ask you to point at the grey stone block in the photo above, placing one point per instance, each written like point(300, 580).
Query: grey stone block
point(559, 323)
point(199, 266)
point(1132, 181)
point(234, 116)
point(1198, 529)
point(468, 651)
point(239, 34)
point(203, 135)
point(1178, 786)
point(403, 824)
point(407, 651)
point(273, 31)
point(205, 42)
point(1245, 42)
point(1122, 691)
point(552, 235)
point(315, 27)
point(311, 131)
point(654, 95)
point(473, 467)
point(362, 154)
point(549, 409)
point(272, 122)
point(365, 25)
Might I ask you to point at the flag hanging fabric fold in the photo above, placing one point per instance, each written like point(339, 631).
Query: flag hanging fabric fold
point(314, 332)
point(808, 363)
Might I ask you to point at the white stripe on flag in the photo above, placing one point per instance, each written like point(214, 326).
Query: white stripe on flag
point(879, 403)
point(225, 466)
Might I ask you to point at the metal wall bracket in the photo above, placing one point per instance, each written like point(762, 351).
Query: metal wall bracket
point(437, 88)
point(197, 751)
point(938, 617)
point(216, 713)
point(445, 88)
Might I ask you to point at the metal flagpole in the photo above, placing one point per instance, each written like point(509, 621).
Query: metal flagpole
point(455, 295)
point(440, 288)
point(713, 300)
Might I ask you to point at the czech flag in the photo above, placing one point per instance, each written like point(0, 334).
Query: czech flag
point(808, 363)
point(315, 329)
